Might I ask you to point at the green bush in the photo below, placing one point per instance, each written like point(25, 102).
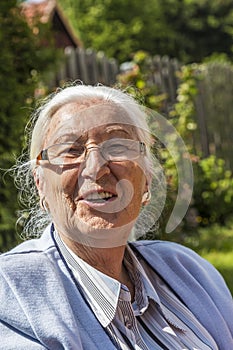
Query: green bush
point(212, 238)
point(213, 187)
point(213, 191)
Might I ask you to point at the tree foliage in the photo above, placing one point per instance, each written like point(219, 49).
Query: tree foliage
point(186, 29)
point(22, 61)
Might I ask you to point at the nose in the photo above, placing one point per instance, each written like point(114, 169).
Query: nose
point(94, 166)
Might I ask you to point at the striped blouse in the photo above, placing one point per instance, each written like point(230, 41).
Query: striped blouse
point(156, 319)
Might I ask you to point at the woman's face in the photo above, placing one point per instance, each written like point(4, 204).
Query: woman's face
point(95, 198)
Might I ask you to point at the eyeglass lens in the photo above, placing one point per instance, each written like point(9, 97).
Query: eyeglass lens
point(110, 150)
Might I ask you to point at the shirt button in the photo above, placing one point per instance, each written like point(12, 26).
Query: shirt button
point(128, 324)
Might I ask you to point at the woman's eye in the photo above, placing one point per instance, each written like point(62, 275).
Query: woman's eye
point(74, 151)
point(117, 149)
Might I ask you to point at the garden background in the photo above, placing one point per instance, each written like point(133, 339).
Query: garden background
point(177, 57)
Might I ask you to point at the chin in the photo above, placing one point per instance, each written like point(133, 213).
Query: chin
point(102, 220)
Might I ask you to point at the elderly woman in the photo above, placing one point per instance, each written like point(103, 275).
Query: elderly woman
point(81, 285)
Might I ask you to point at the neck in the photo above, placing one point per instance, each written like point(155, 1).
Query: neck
point(107, 260)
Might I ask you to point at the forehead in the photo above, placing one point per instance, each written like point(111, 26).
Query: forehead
point(75, 119)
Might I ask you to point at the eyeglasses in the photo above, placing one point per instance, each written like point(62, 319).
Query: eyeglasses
point(70, 153)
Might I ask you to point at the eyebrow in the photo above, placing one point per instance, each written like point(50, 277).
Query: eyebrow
point(71, 138)
point(75, 138)
point(112, 128)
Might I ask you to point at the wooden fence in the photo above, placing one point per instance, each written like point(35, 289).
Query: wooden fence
point(214, 104)
point(88, 66)
point(92, 67)
point(214, 112)
point(164, 75)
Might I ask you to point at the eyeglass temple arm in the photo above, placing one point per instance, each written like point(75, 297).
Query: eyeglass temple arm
point(43, 155)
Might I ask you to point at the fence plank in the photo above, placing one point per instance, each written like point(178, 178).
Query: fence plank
point(92, 66)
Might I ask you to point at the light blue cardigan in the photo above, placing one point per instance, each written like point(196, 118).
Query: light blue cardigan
point(42, 307)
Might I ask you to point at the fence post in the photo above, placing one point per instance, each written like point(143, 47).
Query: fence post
point(92, 67)
point(71, 62)
point(103, 68)
point(81, 60)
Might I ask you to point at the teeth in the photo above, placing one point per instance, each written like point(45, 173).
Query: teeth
point(99, 195)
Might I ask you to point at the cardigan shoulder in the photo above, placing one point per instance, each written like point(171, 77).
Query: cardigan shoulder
point(198, 284)
point(181, 261)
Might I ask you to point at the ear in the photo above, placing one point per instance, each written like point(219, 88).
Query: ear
point(146, 197)
point(148, 183)
point(39, 181)
point(146, 194)
point(149, 177)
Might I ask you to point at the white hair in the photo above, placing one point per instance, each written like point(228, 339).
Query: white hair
point(36, 132)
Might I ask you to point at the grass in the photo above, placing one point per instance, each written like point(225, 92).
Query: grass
point(215, 244)
point(223, 261)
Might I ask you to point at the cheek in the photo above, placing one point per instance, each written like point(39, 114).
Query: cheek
point(139, 180)
point(69, 182)
point(132, 172)
point(60, 182)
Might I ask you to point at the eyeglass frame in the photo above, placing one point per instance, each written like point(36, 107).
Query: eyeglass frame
point(43, 155)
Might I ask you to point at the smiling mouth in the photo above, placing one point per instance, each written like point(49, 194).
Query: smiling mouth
point(99, 197)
